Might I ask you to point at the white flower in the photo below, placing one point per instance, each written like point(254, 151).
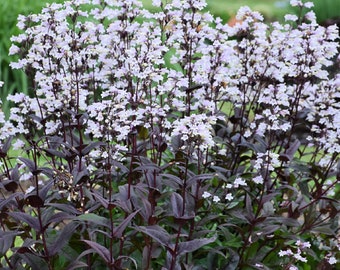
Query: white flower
point(287, 252)
point(229, 197)
point(332, 260)
point(1, 83)
point(291, 17)
point(242, 12)
point(206, 195)
point(299, 257)
point(239, 182)
point(295, 3)
point(282, 253)
point(156, 3)
point(309, 4)
point(19, 144)
point(303, 244)
point(310, 16)
point(258, 179)
point(216, 199)
point(105, 154)
point(51, 127)
point(196, 127)
point(222, 152)
point(14, 49)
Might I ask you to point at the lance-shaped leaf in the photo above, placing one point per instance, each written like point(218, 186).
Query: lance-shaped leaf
point(100, 250)
point(200, 177)
point(54, 153)
point(327, 230)
point(29, 163)
point(31, 221)
point(288, 155)
point(177, 204)
point(11, 198)
point(67, 208)
point(5, 147)
point(104, 202)
point(76, 264)
point(15, 175)
point(98, 220)
point(249, 209)
point(43, 191)
point(58, 217)
point(63, 238)
point(6, 240)
point(33, 261)
point(157, 233)
point(173, 178)
point(118, 231)
point(192, 245)
point(90, 147)
point(80, 176)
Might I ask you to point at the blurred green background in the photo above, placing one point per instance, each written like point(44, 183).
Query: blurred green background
point(15, 81)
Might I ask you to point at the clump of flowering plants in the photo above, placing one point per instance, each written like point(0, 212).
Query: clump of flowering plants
point(169, 140)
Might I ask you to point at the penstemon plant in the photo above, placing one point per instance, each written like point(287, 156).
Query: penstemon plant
point(170, 140)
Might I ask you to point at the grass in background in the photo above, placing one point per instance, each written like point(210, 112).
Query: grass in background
point(15, 80)
point(326, 9)
point(226, 9)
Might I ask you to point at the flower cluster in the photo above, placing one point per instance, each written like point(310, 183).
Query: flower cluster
point(195, 128)
point(120, 77)
point(300, 247)
point(129, 106)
